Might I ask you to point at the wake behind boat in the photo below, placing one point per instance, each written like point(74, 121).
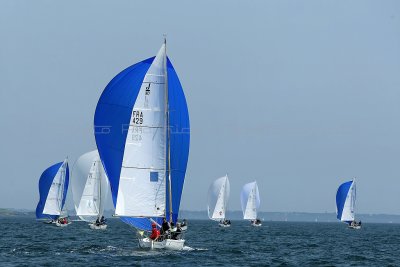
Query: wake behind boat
point(345, 204)
point(250, 200)
point(142, 135)
point(53, 187)
point(90, 190)
point(218, 196)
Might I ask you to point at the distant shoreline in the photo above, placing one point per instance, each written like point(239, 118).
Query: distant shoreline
point(237, 215)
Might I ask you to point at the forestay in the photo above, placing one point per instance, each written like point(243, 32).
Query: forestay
point(250, 200)
point(345, 201)
point(218, 196)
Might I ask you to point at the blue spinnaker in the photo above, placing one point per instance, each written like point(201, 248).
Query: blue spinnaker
point(111, 122)
point(341, 195)
point(45, 181)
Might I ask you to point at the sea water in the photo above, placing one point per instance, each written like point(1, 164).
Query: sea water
point(26, 242)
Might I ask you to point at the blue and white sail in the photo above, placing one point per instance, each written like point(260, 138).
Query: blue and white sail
point(142, 135)
point(53, 187)
point(345, 201)
point(250, 200)
point(90, 187)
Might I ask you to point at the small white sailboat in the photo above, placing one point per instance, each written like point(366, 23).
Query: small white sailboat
point(250, 200)
point(63, 221)
point(345, 204)
point(90, 189)
point(218, 196)
point(144, 114)
point(53, 187)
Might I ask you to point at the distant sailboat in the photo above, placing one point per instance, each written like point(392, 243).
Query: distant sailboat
point(90, 188)
point(218, 196)
point(345, 204)
point(53, 187)
point(142, 134)
point(250, 200)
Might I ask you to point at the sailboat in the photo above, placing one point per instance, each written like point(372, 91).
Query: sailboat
point(250, 200)
point(53, 187)
point(90, 188)
point(345, 204)
point(142, 135)
point(218, 195)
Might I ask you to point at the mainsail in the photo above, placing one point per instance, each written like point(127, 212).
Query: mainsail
point(53, 186)
point(250, 200)
point(142, 131)
point(89, 186)
point(218, 195)
point(345, 201)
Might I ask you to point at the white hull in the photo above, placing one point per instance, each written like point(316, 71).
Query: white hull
point(62, 225)
point(170, 244)
point(97, 227)
point(256, 225)
point(355, 227)
point(224, 225)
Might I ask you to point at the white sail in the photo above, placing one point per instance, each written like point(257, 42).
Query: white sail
point(89, 186)
point(348, 213)
point(218, 195)
point(250, 200)
point(142, 184)
point(53, 205)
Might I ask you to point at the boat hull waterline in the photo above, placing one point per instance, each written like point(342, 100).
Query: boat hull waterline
point(93, 226)
point(62, 224)
point(170, 244)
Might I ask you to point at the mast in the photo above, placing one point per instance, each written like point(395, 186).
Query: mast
point(168, 130)
point(225, 198)
point(353, 196)
point(99, 179)
point(224, 195)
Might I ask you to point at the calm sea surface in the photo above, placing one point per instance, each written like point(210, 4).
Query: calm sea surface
point(25, 242)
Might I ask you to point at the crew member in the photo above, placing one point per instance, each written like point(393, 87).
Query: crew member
point(155, 233)
point(165, 226)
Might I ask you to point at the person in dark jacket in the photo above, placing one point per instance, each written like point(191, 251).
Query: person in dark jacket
point(177, 234)
point(165, 226)
point(184, 223)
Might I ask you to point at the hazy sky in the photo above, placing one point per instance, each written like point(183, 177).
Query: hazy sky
point(298, 95)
